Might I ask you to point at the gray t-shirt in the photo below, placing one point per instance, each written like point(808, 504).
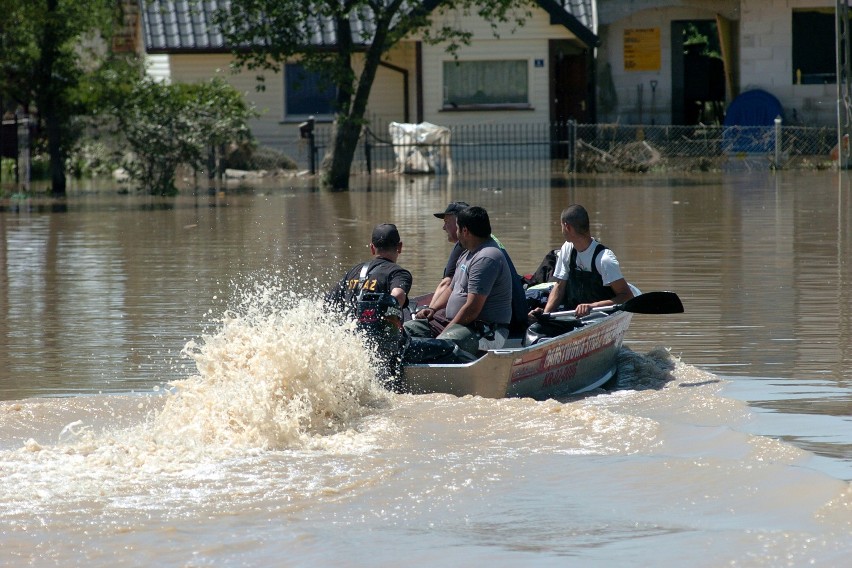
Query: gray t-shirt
point(483, 271)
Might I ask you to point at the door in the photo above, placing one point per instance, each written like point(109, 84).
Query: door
point(698, 73)
point(569, 81)
point(571, 89)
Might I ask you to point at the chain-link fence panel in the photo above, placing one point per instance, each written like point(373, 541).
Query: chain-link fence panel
point(566, 147)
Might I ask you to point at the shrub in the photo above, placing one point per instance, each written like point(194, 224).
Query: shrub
point(169, 125)
point(249, 156)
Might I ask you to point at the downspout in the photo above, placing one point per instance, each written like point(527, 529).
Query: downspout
point(419, 79)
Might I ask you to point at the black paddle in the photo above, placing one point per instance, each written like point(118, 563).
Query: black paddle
point(648, 303)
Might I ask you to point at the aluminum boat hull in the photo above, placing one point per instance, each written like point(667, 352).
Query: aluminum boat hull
point(572, 363)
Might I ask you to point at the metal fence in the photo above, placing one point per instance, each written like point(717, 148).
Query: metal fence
point(553, 148)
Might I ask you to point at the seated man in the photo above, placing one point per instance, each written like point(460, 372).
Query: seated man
point(479, 302)
point(379, 274)
point(441, 294)
point(451, 228)
point(368, 284)
point(587, 273)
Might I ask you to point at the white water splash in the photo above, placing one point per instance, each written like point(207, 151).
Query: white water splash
point(277, 373)
point(271, 379)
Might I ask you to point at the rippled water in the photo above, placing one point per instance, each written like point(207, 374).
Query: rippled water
point(172, 397)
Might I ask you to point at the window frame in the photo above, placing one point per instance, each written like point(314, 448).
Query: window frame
point(810, 55)
point(447, 105)
point(315, 79)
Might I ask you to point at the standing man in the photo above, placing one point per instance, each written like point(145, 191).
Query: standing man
point(379, 274)
point(587, 273)
point(479, 301)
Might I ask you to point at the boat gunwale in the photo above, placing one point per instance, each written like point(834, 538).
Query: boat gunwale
point(506, 353)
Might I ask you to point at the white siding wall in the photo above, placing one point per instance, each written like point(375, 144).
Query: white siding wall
point(529, 42)
point(386, 98)
point(157, 67)
point(201, 67)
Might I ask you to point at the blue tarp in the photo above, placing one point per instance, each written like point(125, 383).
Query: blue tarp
point(750, 122)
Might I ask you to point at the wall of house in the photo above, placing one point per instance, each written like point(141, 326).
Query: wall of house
point(387, 102)
point(272, 128)
point(529, 42)
point(764, 58)
point(766, 55)
point(157, 67)
point(192, 68)
point(637, 101)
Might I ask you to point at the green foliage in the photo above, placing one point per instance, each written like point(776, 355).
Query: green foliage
point(7, 169)
point(92, 158)
point(703, 35)
point(39, 167)
point(55, 62)
point(169, 125)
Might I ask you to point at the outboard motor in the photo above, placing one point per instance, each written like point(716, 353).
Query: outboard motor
point(379, 316)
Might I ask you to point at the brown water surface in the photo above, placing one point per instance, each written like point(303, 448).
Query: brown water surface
point(276, 448)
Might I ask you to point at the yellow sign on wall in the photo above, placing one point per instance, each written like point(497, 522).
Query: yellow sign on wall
point(642, 49)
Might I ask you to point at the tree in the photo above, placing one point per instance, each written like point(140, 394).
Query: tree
point(167, 125)
point(48, 49)
point(271, 32)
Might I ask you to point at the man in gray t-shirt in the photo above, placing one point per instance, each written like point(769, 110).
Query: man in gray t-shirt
point(483, 271)
point(481, 292)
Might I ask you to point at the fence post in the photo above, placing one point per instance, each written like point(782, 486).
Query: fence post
point(777, 142)
point(572, 146)
point(306, 131)
point(22, 162)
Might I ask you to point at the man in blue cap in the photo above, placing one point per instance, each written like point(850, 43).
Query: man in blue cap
point(451, 228)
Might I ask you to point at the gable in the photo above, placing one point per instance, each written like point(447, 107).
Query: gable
point(175, 26)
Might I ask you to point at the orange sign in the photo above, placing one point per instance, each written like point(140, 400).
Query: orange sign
point(642, 49)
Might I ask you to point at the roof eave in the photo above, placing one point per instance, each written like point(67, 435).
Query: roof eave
point(559, 16)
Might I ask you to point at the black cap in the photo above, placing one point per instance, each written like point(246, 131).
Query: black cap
point(385, 236)
point(452, 209)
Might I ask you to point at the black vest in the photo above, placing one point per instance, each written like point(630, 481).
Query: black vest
point(586, 287)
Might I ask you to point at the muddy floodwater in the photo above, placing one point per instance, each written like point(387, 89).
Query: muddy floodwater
point(171, 395)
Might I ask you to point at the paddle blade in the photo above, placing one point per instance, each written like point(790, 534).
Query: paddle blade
point(654, 303)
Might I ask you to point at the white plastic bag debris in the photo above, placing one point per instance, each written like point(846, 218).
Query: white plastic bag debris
point(421, 148)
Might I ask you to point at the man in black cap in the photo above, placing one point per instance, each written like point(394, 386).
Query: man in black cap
point(451, 228)
point(379, 274)
point(478, 304)
point(442, 292)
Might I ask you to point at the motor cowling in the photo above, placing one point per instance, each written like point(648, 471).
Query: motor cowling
point(379, 317)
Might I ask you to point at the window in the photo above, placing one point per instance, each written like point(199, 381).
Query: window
point(307, 93)
point(814, 58)
point(486, 84)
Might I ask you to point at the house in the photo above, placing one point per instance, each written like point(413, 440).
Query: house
point(609, 61)
point(542, 72)
point(646, 74)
